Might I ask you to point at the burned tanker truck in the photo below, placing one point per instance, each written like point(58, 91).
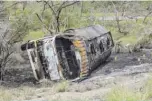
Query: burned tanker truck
point(69, 55)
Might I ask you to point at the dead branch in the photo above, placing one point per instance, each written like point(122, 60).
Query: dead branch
point(69, 4)
point(51, 32)
point(51, 7)
point(147, 16)
point(117, 19)
point(44, 7)
point(5, 53)
point(57, 11)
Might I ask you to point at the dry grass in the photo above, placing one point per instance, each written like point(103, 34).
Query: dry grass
point(29, 93)
point(21, 93)
point(62, 86)
point(118, 93)
point(5, 94)
point(148, 88)
point(122, 93)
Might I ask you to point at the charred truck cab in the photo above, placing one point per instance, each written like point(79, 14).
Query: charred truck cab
point(69, 55)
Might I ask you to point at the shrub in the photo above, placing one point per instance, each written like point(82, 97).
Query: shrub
point(61, 86)
point(143, 42)
point(118, 47)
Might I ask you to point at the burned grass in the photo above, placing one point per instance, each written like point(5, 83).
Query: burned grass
point(19, 82)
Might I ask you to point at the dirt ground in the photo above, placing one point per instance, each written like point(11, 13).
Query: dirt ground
point(120, 69)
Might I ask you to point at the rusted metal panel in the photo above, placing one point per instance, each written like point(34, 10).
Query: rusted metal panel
point(80, 45)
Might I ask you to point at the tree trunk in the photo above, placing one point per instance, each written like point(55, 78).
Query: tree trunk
point(1, 73)
point(81, 8)
point(57, 24)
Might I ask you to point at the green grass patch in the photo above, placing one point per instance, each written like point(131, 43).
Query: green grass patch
point(104, 14)
point(129, 39)
point(34, 35)
point(124, 94)
point(148, 88)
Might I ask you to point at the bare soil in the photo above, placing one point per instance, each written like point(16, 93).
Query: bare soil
point(124, 68)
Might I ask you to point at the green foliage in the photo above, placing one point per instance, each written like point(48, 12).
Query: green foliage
point(124, 94)
point(129, 39)
point(138, 32)
point(34, 35)
point(19, 22)
point(79, 15)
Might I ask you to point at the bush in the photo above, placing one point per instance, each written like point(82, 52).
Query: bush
point(143, 42)
point(62, 86)
point(118, 47)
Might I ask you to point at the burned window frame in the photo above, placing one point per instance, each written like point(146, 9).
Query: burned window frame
point(92, 49)
point(101, 46)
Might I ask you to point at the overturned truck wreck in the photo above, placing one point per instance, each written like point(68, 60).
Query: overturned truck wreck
point(69, 55)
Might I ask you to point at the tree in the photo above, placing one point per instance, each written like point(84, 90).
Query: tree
point(10, 33)
point(56, 9)
point(117, 10)
point(5, 52)
point(149, 12)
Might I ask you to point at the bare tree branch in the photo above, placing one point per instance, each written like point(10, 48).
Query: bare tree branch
point(61, 6)
point(146, 17)
point(44, 7)
point(44, 23)
point(70, 4)
point(56, 10)
point(117, 19)
point(51, 7)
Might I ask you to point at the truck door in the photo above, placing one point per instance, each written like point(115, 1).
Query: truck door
point(51, 58)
